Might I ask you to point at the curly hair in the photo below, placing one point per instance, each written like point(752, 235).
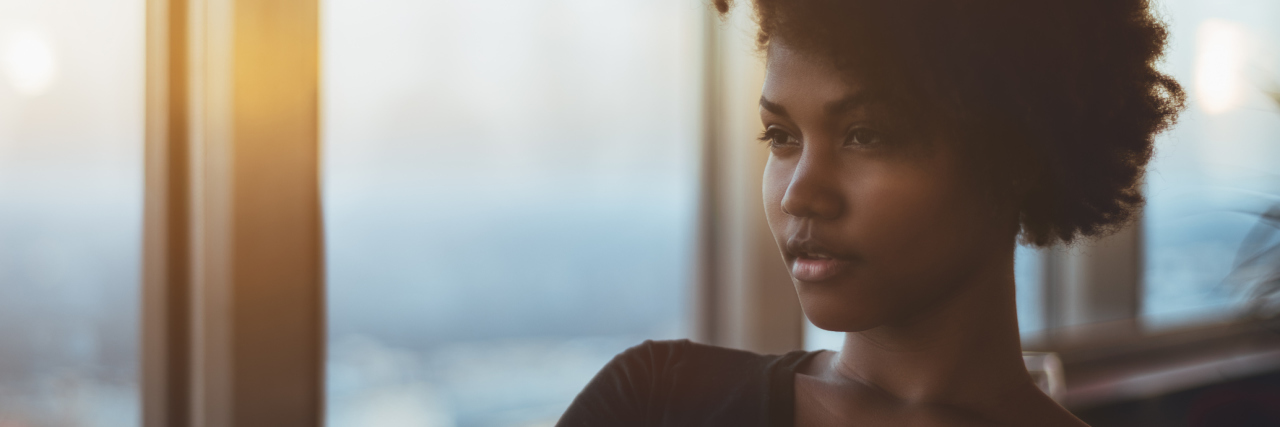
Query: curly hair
point(1058, 101)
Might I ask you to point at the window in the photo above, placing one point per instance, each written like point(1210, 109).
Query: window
point(510, 200)
point(1216, 172)
point(71, 135)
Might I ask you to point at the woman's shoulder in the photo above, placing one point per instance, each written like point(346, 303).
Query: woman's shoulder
point(708, 365)
point(686, 355)
point(679, 382)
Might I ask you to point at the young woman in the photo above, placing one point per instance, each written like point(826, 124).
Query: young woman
point(912, 144)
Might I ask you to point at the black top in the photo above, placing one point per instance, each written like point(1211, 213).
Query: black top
point(680, 383)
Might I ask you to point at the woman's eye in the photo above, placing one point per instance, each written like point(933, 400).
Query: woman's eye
point(864, 137)
point(776, 138)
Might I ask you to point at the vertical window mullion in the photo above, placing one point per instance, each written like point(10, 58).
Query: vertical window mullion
point(1092, 290)
point(233, 317)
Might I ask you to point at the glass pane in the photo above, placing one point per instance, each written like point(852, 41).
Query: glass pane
point(1029, 278)
point(1029, 283)
point(1219, 169)
point(816, 338)
point(510, 194)
point(71, 123)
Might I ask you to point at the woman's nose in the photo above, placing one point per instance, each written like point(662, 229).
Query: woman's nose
point(814, 188)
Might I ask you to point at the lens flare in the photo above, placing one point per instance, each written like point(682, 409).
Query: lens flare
point(29, 62)
point(1221, 52)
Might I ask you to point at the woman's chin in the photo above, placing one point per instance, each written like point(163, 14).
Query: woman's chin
point(840, 307)
point(848, 319)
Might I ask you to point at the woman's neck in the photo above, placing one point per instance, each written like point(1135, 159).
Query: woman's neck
point(963, 352)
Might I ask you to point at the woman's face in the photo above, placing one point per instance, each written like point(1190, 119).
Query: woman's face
point(875, 227)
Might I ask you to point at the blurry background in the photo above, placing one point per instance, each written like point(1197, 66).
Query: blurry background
point(1220, 169)
point(510, 200)
point(511, 196)
point(71, 123)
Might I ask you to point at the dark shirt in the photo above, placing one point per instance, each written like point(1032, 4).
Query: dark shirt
point(680, 383)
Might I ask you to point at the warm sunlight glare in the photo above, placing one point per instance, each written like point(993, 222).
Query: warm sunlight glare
point(1220, 59)
point(29, 62)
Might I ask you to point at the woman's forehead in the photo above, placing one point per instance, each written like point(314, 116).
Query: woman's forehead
point(795, 77)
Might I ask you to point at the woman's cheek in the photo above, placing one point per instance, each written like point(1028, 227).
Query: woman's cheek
point(777, 176)
point(899, 208)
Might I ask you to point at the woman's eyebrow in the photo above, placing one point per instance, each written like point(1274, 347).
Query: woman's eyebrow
point(773, 107)
point(843, 105)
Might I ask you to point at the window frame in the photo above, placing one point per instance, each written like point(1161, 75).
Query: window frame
point(233, 323)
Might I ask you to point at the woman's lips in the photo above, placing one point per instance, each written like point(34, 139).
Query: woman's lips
point(816, 269)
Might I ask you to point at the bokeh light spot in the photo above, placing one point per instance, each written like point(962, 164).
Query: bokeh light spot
point(1221, 52)
point(29, 62)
